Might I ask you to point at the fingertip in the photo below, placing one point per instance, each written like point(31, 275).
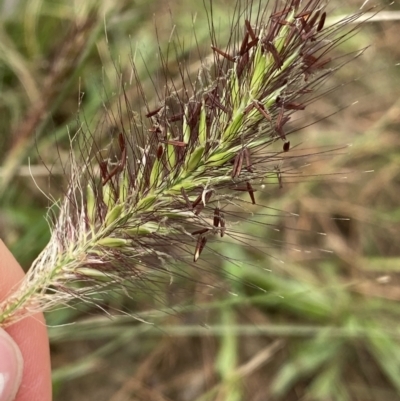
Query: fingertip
point(11, 367)
point(30, 334)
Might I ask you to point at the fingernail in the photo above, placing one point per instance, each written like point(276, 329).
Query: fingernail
point(11, 366)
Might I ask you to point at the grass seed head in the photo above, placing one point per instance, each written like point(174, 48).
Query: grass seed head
point(178, 166)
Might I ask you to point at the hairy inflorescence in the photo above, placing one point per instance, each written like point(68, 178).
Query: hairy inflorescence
point(163, 188)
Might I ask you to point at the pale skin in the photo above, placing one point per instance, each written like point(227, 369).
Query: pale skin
point(30, 334)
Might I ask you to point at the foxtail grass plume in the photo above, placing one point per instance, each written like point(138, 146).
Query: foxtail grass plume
point(161, 190)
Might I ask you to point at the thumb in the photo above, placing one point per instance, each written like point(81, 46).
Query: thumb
point(31, 336)
point(11, 367)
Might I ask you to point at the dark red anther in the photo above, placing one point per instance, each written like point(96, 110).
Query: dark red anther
point(260, 107)
point(251, 44)
point(111, 174)
point(200, 231)
point(311, 21)
point(250, 30)
point(121, 141)
point(200, 206)
point(201, 243)
point(103, 170)
point(290, 105)
point(237, 165)
point(321, 22)
point(153, 112)
point(251, 193)
point(275, 54)
point(304, 25)
point(243, 46)
point(217, 217)
point(160, 151)
point(194, 115)
point(294, 106)
point(242, 63)
point(197, 201)
point(248, 188)
point(286, 146)
point(223, 54)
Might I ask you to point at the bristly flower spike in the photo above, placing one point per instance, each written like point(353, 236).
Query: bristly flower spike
point(181, 164)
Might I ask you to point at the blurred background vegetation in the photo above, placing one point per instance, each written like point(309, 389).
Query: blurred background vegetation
point(326, 327)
